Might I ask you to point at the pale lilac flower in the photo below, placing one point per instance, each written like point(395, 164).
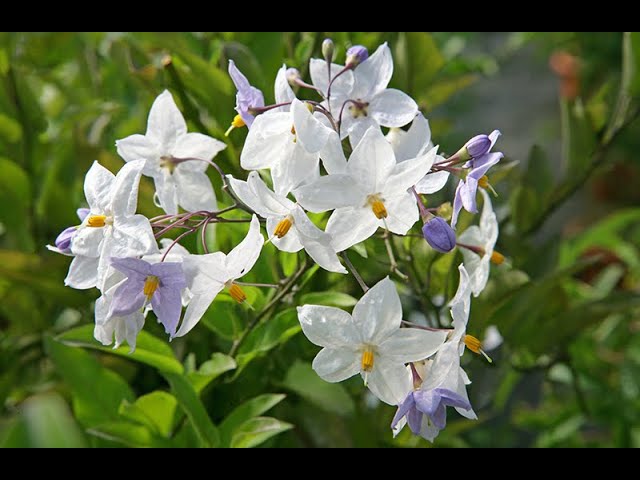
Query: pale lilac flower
point(247, 98)
point(159, 284)
point(465, 195)
point(356, 55)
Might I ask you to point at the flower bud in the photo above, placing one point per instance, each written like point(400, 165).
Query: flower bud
point(63, 241)
point(478, 145)
point(356, 55)
point(328, 49)
point(439, 235)
point(293, 75)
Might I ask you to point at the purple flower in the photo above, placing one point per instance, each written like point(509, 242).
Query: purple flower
point(467, 189)
point(356, 55)
point(160, 284)
point(431, 403)
point(247, 98)
point(478, 145)
point(439, 235)
point(63, 241)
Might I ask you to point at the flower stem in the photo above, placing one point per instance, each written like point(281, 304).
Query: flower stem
point(354, 272)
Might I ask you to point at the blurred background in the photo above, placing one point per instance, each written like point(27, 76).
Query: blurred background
point(567, 373)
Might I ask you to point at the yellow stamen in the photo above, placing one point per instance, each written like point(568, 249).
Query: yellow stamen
point(96, 221)
point(377, 205)
point(151, 284)
point(367, 360)
point(497, 258)
point(475, 346)
point(483, 182)
point(237, 293)
point(283, 227)
point(309, 106)
point(237, 122)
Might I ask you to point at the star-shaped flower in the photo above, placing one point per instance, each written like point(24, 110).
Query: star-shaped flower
point(175, 159)
point(369, 341)
point(371, 193)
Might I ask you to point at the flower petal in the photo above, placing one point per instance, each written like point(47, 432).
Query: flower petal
point(128, 298)
point(432, 183)
point(461, 302)
point(132, 267)
point(328, 326)
point(310, 132)
point(289, 243)
point(82, 273)
point(389, 381)
point(267, 139)
point(98, 183)
point(87, 242)
point(167, 305)
point(332, 155)
point(356, 128)
point(372, 161)
point(348, 226)
point(319, 73)
point(373, 75)
point(378, 313)
point(336, 364)
point(411, 344)
point(166, 192)
point(131, 237)
point(488, 224)
point(197, 308)
point(124, 193)
point(402, 213)
point(316, 242)
point(244, 256)
point(205, 272)
point(296, 167)
point(403, 409)
point(165, 123)
point(196, 145)
point(408, 173)
point(393, 108)
point(194, 191)
point(135, 147)
point(171, 274)
point(274, 203)
point(330, 192)
point(412, 143)
point(282, 90)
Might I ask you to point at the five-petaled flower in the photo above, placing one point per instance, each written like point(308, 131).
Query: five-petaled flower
point(369, 341)
point(175, 159)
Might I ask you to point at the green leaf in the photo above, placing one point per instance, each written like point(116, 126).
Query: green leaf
point(194, 409)
point(10, 129)
point(223, 317)
point(49, 423)
point(15, 201)
point(329, 298)
point(248, 410)
point(210, 370)
point(128, 434)
point(538, 175)
point(417, 59)
point(157, 411)
point(149, 349)
point(269, 334)
point(97, 390)
point(631, 53)
point(258, 430)
point(331, 397)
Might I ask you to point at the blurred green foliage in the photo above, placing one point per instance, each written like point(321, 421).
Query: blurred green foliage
point(568, 373)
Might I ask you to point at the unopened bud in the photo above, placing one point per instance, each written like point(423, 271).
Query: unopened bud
point(439, 235)
point(356, 55)
point(328, 49)
point(478, 146)
point(293, 75)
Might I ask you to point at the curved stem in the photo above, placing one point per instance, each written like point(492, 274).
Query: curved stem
point(354, 272)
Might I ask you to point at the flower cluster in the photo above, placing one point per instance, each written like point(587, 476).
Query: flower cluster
point(295, 157)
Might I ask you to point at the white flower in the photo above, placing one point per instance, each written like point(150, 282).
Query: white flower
point(484, 238)
point(371, 193)
point(208, 274)
point(282, 90)
point(287, 224)
point(164, 145)
point(288, 143)
point(124, 328)
point(369, 342)
point(413, 143)
point(111, 229)
point(369, 103)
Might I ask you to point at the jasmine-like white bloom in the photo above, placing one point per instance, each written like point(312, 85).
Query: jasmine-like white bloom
point(169, 152)
point(413, 143)
point(483, 238)
point(111, 229)
point(287, 224)
point(369, 341)
point(371, 193)
point(208, 274)
point(369, 103)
